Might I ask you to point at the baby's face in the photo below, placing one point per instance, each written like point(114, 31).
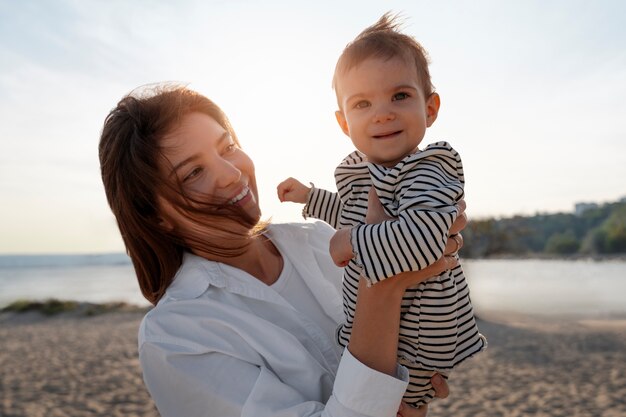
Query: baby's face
point(383, 109)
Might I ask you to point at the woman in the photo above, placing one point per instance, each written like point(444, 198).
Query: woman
point(245, 312)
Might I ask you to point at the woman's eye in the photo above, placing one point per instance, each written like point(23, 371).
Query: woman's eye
point(194, 173)
point(362, 104)
point(400, 96)
point(230, 148)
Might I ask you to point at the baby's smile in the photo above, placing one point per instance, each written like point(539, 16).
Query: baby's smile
point(387, 135)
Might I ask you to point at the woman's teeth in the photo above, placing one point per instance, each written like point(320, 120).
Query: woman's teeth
point(239, 196)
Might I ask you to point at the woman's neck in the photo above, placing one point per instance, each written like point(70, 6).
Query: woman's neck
point(261, 259)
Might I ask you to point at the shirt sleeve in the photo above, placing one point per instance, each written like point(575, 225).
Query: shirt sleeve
point(324, 205)
point(411, 243)
point(184, 383)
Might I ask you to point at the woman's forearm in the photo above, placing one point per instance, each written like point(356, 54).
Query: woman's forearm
point(374, 339)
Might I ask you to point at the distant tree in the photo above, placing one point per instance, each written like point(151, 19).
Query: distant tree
point(564, 243)
point(599, 230)
point(521, 235)
point(615, 228)
point(484, 238)
point(610, 236)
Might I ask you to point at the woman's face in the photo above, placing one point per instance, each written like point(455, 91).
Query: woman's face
point(209, 164)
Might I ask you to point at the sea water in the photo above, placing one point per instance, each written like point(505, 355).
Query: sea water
point(582, 287)
point(92, 278)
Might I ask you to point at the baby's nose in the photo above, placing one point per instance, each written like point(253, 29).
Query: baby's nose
point(384, 115)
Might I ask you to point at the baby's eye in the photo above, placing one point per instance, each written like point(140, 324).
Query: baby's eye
point(362, 104)
point(400, 96)
point(194, 173)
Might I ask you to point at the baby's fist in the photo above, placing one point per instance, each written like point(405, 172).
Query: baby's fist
point(341, 247)
point(292, 190)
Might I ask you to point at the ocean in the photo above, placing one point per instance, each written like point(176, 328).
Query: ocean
point(91, 278)
point(580, 288)
point(584, 288)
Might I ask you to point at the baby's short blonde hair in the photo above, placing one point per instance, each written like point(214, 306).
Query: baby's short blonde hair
point(384, 40)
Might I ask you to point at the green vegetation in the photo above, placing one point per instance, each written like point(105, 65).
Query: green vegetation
point(53, 306)
point(49, 307)
point(597, 231)
point(96, 309)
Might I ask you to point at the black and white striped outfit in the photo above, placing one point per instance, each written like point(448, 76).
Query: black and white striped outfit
point(437, 330)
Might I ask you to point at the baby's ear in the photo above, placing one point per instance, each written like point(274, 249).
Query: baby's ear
point(341, 119)
point(432, 108)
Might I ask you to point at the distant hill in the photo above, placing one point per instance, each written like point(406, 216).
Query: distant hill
point(596, 230)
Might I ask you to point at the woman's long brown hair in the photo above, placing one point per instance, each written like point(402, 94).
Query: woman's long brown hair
point(129, 153)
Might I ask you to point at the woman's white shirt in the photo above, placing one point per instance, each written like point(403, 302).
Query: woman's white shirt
point(291, 286)
point(222, 343)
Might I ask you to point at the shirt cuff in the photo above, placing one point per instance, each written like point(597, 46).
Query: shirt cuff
point(305, 210)
point(367, 391)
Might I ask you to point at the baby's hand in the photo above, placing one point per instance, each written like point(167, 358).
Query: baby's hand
point(341, 247)
point(292, 190)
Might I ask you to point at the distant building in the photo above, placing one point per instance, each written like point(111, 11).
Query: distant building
point(580, 208)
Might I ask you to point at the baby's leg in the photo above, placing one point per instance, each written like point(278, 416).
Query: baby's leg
point(420, 390)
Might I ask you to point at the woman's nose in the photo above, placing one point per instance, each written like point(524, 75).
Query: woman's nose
point(227, 174)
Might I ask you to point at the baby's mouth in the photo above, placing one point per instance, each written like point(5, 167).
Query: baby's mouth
point(387, 135)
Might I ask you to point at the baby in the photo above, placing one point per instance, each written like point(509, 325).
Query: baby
point(386, 103)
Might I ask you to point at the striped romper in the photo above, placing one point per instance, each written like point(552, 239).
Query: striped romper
point(437, 328)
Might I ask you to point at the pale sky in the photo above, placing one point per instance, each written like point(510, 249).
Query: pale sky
point(533, 97)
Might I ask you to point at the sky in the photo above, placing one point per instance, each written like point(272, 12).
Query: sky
point(533, 97)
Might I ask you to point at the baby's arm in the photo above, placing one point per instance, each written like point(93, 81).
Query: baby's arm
point(340, 246)
point(428, 190)
point(319, 203)
point(414, 241)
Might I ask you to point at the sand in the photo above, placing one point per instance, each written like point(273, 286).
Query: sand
point(542, 367)
point(69, 365)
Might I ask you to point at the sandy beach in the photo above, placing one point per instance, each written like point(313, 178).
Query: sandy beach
point(72, 365)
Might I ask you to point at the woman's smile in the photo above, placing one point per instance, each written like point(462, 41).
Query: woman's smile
point(242, 197)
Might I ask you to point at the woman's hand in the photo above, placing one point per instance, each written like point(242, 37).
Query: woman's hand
point(461, 219)
point(375, 211)
point(455, 240)
point(441, 391)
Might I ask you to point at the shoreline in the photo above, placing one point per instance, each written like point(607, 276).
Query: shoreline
point(53, 307)
point(73, 364)
point(619, 257)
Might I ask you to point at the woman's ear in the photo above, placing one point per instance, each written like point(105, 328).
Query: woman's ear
point(343, 124)
point(432, 108)
point(163, 207)
point(165, 224)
